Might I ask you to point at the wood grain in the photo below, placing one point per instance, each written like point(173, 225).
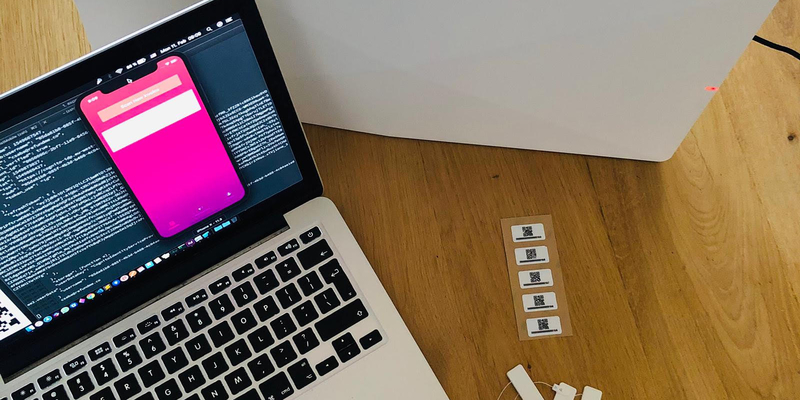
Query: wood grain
point(682, 277)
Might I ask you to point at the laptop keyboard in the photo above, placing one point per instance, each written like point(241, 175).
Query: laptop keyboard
point(265, 331)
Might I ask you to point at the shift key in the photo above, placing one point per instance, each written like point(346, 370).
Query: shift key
point(341, 320)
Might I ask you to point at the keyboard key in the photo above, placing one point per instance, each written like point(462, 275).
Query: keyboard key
point(175, 360)
point(221, 334)
point(198, 319)
point(215, 391)
point(288, 269)
point(243, 294)
point(260, 339)
point(196, 298)
point(346, 347)
point(326, 366)
point(151, 374)
point(79, 386)
point(265, 260)
point(305, 313)
point(327, 301)
point(283, 354)
point(260, 367)
point(128, 358)
point(24, 393)
point(242, 273)
point(148, 325)
point(302, 374)
point(127, 387)
point(238, 352)
point(238, 381)
point(243, 321)
point(340, 320)
point(283, 326)
point(73, 366)
point(310, 283)
point(344, 288)
point(220, 285)
point(172, 311)
point(333, 273)
point(124, 338)
point(49, 379)
point(370, 339)
point(266, 309)
point(198, 347)
point(215, 365)
point(191, 379)
point(58, 393)
point(315, 254)
point(100, 351)
point(104, 372)
point(276, 388)
point(104, 394)
point(305, 341)
point(288, 247)
point(309, 235)
point(176, 332)
point(221, 306)
point(250, 395)
point(288, 295)
point(152, 345)
point(266, 282)
point(146, 396)
point(169, 391)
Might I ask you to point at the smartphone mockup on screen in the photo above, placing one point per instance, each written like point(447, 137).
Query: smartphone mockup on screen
point(157, 132)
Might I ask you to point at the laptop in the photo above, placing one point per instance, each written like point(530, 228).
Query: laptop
point(164, 236)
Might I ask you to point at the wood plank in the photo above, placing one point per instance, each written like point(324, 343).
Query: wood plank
point(682, 277)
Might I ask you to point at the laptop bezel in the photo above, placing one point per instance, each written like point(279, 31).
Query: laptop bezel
point(23, 350)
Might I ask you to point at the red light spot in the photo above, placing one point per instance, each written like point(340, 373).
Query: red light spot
point(711, 88)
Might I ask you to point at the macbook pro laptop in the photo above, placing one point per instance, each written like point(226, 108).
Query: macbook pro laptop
point(163, 234)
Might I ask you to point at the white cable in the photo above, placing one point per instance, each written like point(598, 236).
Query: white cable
point(503, 391)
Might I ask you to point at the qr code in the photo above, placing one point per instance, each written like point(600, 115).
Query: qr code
point(11, 319)
point(530, 254)
point(544, 325)
point(538, 301)
point(536, 277)
point(8, 321)
point(527, 231)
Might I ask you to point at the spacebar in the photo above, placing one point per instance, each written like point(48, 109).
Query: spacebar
point(340, 320)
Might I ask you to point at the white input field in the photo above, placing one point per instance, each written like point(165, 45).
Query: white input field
point(151, 121)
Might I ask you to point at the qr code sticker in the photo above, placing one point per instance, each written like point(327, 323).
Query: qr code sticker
point(538, 301)
point(536, 277)
point(530, 254)
point(544, 324)
point(11, 319)
point(527, 231)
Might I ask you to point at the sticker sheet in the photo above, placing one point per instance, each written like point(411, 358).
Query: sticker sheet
point(534, 272)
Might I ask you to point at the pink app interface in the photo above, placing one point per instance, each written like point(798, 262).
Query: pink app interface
point(162, 140)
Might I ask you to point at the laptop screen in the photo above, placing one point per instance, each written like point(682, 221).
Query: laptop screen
point(133, 171)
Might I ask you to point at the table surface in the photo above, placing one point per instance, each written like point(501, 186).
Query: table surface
point(682, 277)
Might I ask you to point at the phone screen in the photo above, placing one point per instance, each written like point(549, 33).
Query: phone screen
point(159, 135)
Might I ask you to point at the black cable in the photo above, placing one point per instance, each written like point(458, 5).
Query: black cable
point(773, 45)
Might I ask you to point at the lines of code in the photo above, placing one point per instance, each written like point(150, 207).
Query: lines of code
point(56, 204)
point(252, 129)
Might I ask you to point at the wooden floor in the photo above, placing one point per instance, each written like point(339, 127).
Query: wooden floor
point(682, 277)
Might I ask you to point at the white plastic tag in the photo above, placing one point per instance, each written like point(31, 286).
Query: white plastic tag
point(590, 393)
point(564, 392)
point(523, 384)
